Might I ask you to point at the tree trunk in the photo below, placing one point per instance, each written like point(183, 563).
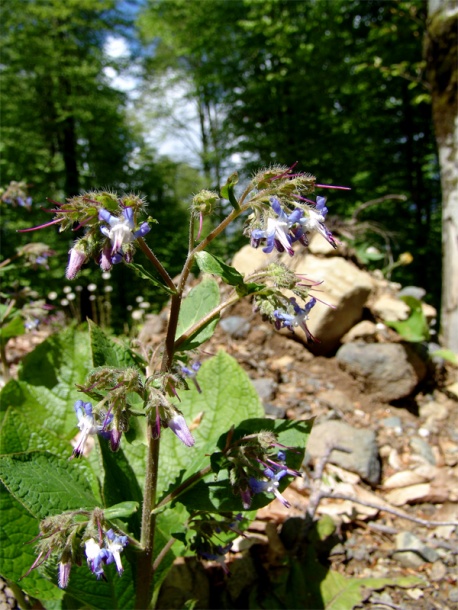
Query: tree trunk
point(441, 52)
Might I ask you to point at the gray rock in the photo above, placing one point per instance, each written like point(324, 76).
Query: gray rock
point(412, 291)
point(412, 552)
point(236, 326)
point(392, 422)
point(388, 370)
point(265, 387)
point(362, 456)
point(421, 447)
point(274, 412)
point(453, 595)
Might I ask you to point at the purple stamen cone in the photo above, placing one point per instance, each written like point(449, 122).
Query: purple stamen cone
point(179, 427)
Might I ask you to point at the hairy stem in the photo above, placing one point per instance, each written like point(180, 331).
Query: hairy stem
point(5, 367)
point(205, 320)
point(187, 484)
point(145, 564)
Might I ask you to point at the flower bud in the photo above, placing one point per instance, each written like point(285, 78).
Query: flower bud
point(204, 202)
point(76, 260)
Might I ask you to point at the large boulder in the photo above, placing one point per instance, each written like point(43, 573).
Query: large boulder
point(389, 371)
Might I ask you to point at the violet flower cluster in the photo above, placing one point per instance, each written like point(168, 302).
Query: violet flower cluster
point(283, 230)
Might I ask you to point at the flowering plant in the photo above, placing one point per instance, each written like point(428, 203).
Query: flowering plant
point(182, 452)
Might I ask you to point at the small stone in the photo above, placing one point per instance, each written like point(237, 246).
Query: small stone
point(360, 447)
point(388, 370)
point(363, 331)
point(453, 595)
point(415, 594)
point(422, 449)
point(453, 389)
point(235, 326)
point(410, 549)
point(438, 571)
point(412, 291)
point(389, 308)
point(265, 387)
point(274, 412)
point(405, 478)
point(392, 422)
point(408, 495)
point(434, 410)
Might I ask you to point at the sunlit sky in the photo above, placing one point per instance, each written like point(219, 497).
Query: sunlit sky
point(177, 137)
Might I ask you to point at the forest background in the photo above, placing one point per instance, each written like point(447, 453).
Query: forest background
point(339, 86)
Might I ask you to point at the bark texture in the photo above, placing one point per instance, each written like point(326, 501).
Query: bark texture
point(441, 52)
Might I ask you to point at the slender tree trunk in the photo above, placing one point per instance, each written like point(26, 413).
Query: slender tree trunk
point(442, 61)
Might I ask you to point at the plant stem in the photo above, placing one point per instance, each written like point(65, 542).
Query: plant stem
point(156, 263)
point(188, 483)
point(145, 564)
point(145, 572)
point(5, 367)
point(205, 320)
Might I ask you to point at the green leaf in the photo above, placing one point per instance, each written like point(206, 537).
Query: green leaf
point(214, 493)
point(46, 484)
point(201, 300)
point(325, 588)
point(121, 510)
point(146, 275)
point(52, 409)
point(13, 328)
point(415, 328)
point(19, 434)
point(208, 263)
point(59, 363)
point(17, 528)
point(244, 290)
point(341, 593)
point(446, 354)
point(106, 352)
point(227, 191)
point(120, 483)
point(228, 397)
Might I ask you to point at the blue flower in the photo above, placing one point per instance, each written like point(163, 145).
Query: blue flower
point(271, 485)
point(218, 555)
point(277, 233)
point(191, 373)
point(115, 545)
point(121, 230)
point(179, 427)
point(313, 220)
point(283, 319)
point(95, 556)
point(87, 425)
